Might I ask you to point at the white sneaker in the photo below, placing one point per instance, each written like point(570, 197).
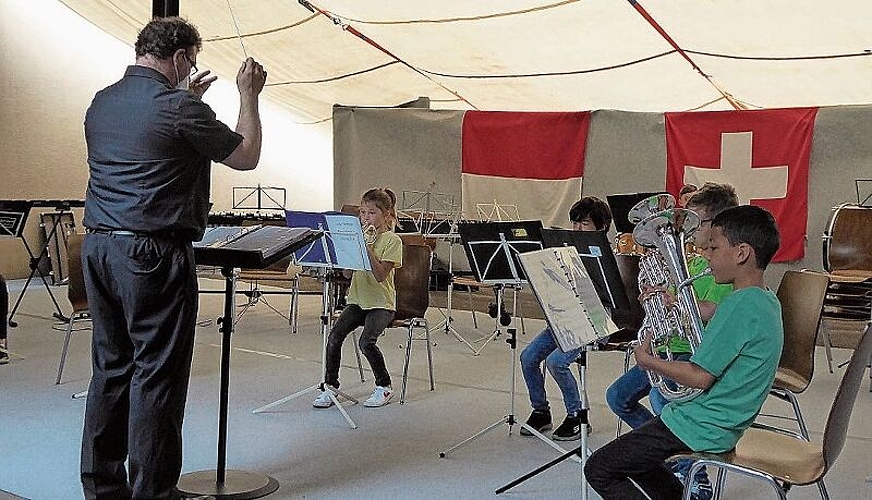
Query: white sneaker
point(323, 400)
point(380, 397)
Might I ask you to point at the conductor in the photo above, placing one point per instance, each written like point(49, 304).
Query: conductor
point(150, 141)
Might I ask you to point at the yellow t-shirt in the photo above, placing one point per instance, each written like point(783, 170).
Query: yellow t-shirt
point(368, 293)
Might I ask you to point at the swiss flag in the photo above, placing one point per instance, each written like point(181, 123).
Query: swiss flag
point(531, 160)
point(763, 154)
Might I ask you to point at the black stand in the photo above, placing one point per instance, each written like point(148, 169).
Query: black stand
point(446, 324)
point(580, 452)
point(328, 264)
point(221, 483)
point(325, 331)
point(35, 260)
point(509, 418)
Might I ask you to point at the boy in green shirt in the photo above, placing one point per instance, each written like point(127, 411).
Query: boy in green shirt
point(734, 366)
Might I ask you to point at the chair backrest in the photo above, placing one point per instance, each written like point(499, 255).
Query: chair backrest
point(836, 429)
point(847, 246)
point(412, 281)
point(76, 284)
point(801, 294)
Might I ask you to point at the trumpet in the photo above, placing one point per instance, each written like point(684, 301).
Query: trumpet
point(370, 233)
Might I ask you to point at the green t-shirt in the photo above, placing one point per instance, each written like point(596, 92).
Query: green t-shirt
point(706, 290)
point(741, 348)
point(367, 292)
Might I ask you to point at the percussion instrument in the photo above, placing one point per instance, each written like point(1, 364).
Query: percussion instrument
point(847, 238)
point(626, 245)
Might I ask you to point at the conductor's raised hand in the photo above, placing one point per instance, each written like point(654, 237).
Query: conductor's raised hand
point(251, 78)
point(201, 82)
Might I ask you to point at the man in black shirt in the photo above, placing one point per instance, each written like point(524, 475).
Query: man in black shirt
point(151, 142)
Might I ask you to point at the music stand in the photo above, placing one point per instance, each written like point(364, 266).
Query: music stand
point(492, 249)
point(342, 246)
point(576, 317)
point(12, 213)
point(265, 197)
point(621, 204)
point(226, 247)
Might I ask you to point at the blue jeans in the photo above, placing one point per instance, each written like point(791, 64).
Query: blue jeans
point(544, 347)
point(625, 394)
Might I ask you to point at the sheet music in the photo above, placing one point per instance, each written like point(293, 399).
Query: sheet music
point(567, 296)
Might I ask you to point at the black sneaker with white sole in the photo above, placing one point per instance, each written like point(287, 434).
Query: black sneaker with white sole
point(539, 420)
point(569, 430)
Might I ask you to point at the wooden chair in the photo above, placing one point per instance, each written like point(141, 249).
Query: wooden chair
point(412, 282)
point(801, 294)
point(75, 293)
point(784, 459)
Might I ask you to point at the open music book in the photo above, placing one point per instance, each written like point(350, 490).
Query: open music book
point(567, 296)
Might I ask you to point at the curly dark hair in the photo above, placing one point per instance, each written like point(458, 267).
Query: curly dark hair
point(163, 36)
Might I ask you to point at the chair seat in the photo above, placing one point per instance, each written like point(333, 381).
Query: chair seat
point(784, 457)
point(787, 458)
point(788, 379)
point(461, 280)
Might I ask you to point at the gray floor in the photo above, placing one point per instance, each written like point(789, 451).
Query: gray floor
point(394, 453)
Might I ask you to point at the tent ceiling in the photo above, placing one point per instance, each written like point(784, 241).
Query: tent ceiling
point(531, 54)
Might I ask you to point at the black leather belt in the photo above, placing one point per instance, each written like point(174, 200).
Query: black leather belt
point(165, 235)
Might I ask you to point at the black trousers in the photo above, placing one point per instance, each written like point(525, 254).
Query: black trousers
point(374, 322)
point(638, 455)
point(142, 295)
point(4, 307)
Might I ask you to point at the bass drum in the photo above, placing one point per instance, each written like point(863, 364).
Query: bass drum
point(847, 239)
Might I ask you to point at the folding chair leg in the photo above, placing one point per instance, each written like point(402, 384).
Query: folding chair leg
point(627, 355)
point(472, 307)
point(429, 356)
point(828, 346)
point(295, 305)
point(406, 362)
point(65, 349)
point(357, 354)
point(791, 397)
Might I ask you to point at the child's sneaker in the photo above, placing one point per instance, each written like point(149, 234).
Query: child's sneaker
point(569, 430)
point(702, 487)
point(380, 397)
point(324, 400)
point(4, 354)
point(539, 420)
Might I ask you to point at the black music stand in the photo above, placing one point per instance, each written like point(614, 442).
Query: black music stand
point(596, 254)
point(492, 249)
point(224, 247)
point(621, 204)
point(542, 269)
point(259, 198)
point(11, 211)
point(341, 246)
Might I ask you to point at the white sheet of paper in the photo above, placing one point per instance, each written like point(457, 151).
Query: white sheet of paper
point(567, 296)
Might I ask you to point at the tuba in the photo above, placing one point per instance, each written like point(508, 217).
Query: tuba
point(663, 230)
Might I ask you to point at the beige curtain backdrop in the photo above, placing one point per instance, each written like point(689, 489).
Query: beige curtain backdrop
point(413, 149)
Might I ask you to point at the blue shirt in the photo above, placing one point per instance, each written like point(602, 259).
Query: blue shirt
point(150, 148)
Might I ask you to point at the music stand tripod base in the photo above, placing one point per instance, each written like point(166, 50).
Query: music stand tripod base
point(237, 485)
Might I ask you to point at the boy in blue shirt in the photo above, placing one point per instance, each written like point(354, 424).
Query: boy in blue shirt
point(734, 366)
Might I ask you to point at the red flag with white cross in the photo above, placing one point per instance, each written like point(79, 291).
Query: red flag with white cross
point(763, 154)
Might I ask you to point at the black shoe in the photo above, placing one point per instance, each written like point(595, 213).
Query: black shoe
point(4, 356)
point(539, 420)
point(569, 430)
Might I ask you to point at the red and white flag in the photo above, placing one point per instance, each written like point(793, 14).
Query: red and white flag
point(531, 161)
point(763, 154)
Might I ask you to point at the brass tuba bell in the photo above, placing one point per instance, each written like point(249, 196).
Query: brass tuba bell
point(664, 232)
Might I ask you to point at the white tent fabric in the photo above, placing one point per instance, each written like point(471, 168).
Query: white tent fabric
point(531, 54)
